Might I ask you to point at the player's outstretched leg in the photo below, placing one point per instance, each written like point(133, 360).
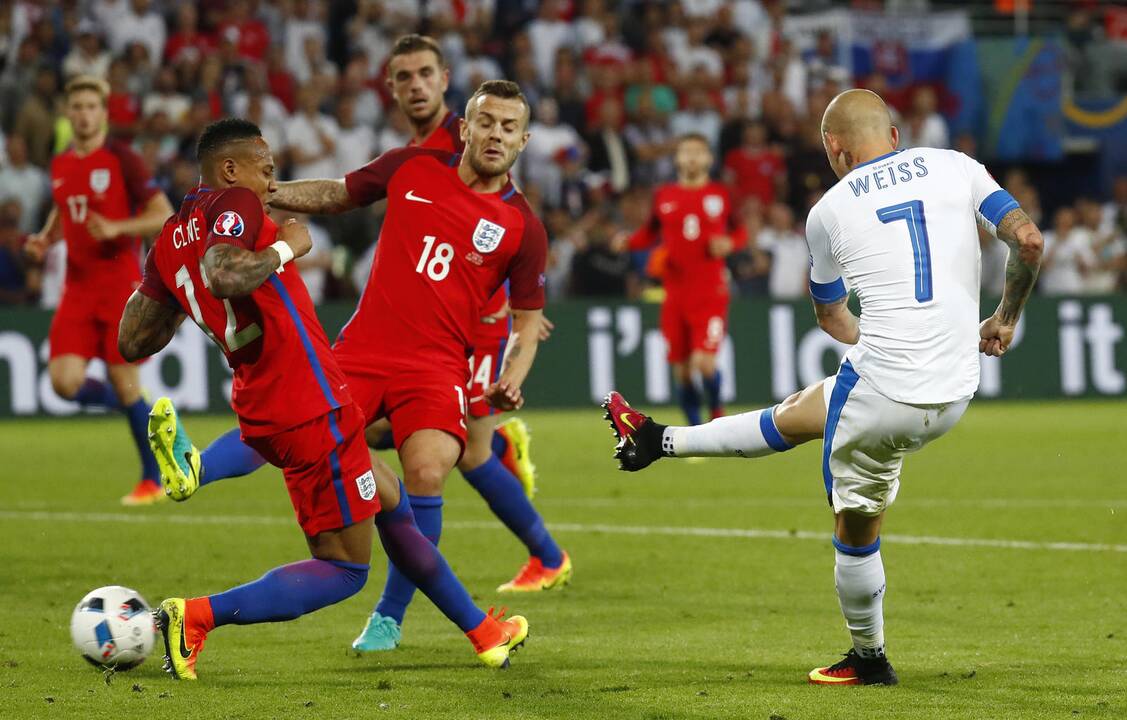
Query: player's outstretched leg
point(642, 441)
point(183, 468)
point(284, 593)
point(548, 566)
point(493, 637)
point(511, 443)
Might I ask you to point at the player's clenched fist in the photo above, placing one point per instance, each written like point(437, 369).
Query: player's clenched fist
point(296, 235)
point(36, 247)
point(504, 396)
point(995, 335)
point(101, 228)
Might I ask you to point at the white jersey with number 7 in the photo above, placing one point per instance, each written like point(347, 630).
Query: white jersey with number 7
point(901, 231)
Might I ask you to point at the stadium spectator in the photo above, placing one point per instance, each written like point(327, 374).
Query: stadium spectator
point(87, 56)
point(1068, 256)
point(312, 137)
point(790, 257)
point(35, 121)
point(165, 98)
point(547, 34)
point(609, 154)
point(698, 116)
point(548, 137)
point(15, 287)
point(1108, 249)
point(187, 44)
point(25, 183)
point(600, 266)
point(755, 169)
point(243, 32)
point(923, 126)
point(139, 23)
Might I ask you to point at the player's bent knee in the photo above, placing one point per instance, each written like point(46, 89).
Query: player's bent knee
point(425, 480)
point(66, 383)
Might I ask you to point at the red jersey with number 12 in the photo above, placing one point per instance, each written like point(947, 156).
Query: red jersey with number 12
point(444, 250)
point(285, 373)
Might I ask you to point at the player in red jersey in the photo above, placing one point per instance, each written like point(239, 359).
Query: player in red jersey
point(105, 200)
point(418, 77)
point(455, 229)
point(695, 223)
point(224, 261)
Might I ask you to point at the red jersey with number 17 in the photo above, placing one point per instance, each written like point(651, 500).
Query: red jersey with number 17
point(446, 137)
point(113, 182)
point(285, 373)
point(443, 251)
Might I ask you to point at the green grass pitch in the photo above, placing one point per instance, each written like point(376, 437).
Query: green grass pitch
point(1006, 556)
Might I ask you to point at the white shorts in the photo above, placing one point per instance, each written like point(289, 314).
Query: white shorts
point(867, 436)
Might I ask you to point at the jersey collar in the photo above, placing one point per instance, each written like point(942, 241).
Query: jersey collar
point(878, 159)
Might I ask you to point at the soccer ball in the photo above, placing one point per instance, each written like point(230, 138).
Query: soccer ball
point(113, 627)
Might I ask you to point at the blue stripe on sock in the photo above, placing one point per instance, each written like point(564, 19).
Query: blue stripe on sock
point(338, 484)
point(856, 551)
point(846, 378)
point(771, 433)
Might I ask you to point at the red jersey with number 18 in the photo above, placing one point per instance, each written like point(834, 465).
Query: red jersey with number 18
point(446, 137)
point(444, 250)
point(285, 373)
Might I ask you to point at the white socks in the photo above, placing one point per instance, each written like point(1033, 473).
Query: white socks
point(860, 590)
point(751, 434)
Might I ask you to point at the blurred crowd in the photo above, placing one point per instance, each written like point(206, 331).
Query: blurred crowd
point(611, 85)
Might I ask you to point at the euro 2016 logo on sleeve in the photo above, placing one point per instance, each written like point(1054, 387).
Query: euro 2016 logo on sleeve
point(487, 236)
point(229, 224)
point(100, 180)
point(366, 484)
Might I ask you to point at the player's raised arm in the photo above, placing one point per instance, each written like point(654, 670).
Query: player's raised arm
point(233, 271)
point(313, 197)
point(358, 188)
point(827, 289)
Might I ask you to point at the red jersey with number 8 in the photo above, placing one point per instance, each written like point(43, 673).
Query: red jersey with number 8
point(285, 373)
point(444, 250)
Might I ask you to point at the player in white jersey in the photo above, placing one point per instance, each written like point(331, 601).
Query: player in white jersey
point(899, 229)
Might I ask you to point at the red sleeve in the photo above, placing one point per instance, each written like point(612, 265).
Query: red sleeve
point(526, 269)
point(234, 217)
point(140, 187)
point(646, 236)
point(369, 183)
point(152, 285)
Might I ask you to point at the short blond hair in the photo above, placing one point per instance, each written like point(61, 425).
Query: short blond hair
point(81, 83)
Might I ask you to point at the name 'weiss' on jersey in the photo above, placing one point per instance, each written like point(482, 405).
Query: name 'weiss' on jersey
point(902, 230)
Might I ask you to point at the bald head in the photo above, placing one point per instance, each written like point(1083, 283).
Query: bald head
point(857, 115)
point(857, 127)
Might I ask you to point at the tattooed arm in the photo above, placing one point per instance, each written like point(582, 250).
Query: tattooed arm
point(1020, 233)
point(146, 326)
point(838, 321)
point(234, 271)
point(313, 197)
point(505, 394)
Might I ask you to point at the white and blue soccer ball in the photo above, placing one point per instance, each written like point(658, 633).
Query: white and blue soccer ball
point(113, 627)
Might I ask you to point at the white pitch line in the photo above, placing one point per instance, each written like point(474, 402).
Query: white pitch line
point(667, 530)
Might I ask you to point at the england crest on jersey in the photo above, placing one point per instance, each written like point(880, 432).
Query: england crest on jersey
point(366, 485)
point(713, 205)
point(100, 180)
point(487, 236)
